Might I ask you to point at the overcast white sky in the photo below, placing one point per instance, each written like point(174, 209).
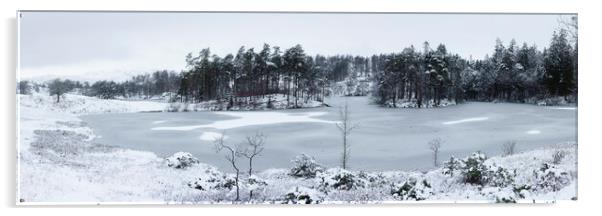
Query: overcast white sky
point(94, 46)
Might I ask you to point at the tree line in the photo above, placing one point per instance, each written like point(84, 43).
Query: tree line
point(248, 75)
point(144, 86)
point(512, 74)
point(425, 76)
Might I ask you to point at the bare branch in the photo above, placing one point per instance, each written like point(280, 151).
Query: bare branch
point(232, 154)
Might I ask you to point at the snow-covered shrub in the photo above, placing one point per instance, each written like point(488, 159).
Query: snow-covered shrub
point(371, 179)
point(301, 196)
point(473, 169)
point(551, 178)
point(412, 189)
point(499, 177)
point(521, 191)
point(181, 160)
point(499, 195)
point(254, 185)
point(305, 166)
point(339, 179)
point(213, 180)
point(451, 166)
point(505, 198)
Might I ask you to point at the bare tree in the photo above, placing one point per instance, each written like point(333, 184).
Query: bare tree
point(434, 145)
point(509, 148)
point(558, 155)
point(345, 126)
point(232, 154)
point(255, 147)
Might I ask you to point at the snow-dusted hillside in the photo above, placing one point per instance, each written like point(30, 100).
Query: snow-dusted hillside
point(78, 104)
point(58, 162)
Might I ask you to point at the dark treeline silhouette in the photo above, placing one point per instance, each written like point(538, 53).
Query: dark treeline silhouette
point(248, 75)
point(512, 74)
point(424, 77)
point(143, 86)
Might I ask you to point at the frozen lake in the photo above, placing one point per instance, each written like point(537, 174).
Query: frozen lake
point(385, 139)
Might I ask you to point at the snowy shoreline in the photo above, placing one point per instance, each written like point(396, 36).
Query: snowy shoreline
point(58, 162)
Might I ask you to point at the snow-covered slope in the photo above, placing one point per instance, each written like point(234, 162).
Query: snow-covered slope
point(58, 162)
point(78, 104)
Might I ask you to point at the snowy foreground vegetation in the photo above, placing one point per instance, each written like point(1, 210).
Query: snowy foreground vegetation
point(58, 162)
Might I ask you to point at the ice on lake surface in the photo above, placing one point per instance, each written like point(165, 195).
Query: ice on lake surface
point(386, 138)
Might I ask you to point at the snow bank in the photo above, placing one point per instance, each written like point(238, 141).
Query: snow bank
point(413, 103)
point(268, 102)
point(78, 104)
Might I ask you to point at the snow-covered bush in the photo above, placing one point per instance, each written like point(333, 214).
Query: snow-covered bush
point(372, 179)
point(452, 166)
point(498, 176)
point(521, 191)
point(412, 189)
point(301, 196)
point(181, 160)
point(305, 166)
point(254, 185)
point(473, 169)
point(213, 180)
point(499, 195)
point(551, 178)
point(339, 179)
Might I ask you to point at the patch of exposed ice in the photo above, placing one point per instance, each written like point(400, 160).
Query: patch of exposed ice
point(465, 120)
point(159, 122)
point(533, 132)
point(253, 118)
point(210, 136)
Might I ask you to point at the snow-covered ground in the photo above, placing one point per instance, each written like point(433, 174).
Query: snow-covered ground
point(413, 103)
point(58, 162)
point(267, 102)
